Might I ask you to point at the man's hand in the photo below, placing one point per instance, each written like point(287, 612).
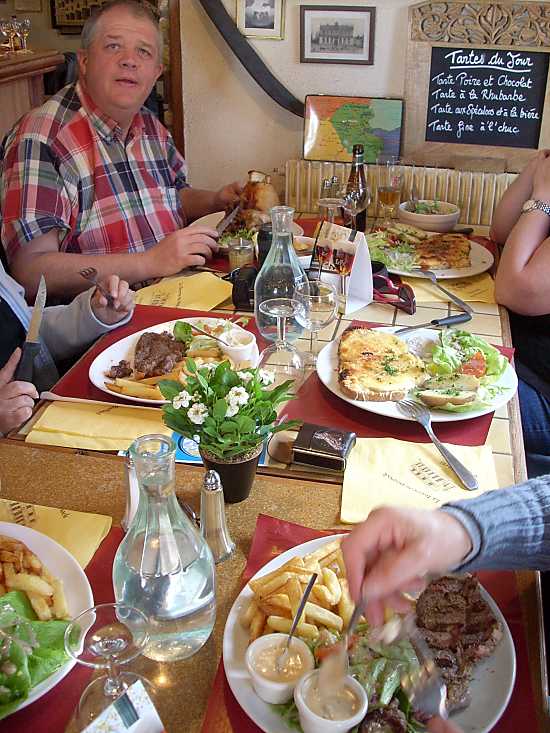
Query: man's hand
point(16, 398)
point(123, 303)
point(228, 195)
point(541, 177)
point(438, 725)
point(187, 247)
point(393, 551)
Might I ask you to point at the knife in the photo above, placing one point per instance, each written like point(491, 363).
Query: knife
point(31, 347)
point(226, 221)
point(449, 321)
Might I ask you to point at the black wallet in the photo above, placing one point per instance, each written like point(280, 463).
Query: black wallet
point(316, 445)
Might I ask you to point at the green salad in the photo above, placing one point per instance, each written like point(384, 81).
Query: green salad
point(379, 669)
point(242, 233)
point(396, 254)
point(31, 650)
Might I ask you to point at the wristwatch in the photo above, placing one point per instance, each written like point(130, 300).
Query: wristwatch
point(535, 205)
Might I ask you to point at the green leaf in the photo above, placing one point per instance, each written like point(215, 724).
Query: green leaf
point(183, 332)
point(220, 408)
point(169, 388)
point(229, 426)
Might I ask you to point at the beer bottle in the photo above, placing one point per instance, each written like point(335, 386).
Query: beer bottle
point(357, 185)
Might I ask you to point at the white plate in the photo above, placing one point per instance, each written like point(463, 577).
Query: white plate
point(211, 220)
point(62, 565)
point(491, 685)
point(481, 260)
point(327, 370)
point(124, 349)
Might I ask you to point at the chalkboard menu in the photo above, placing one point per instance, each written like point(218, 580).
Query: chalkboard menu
point(486, 97)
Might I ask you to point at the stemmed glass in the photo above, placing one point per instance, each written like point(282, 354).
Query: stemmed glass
point(23, 33)
point(317, 308)
point(281, 358)
point(390, 183)
point(354, 202)
point(105, 637)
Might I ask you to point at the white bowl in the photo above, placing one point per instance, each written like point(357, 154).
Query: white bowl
point(443, 222)
point(245, 350)
point(313, 723)
point(270, 691)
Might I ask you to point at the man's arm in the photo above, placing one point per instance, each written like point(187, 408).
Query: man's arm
point(508, 210)
point(179, 250)
point(197, 202)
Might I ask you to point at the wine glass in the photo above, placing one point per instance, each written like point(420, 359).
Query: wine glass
point(390, 183)
point(354, 202)
point(105, 637)
point(24, 30)
point(281, 358)
point(317, 308)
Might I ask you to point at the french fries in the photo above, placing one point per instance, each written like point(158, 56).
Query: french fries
point(277, 594)
point(21, 570)
point(133, 388)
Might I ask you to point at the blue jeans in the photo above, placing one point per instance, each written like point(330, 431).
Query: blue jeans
point(535, 419)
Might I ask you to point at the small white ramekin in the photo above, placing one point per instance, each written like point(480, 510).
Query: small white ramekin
point(275, 693)
point(245, 352)
point(312, 723)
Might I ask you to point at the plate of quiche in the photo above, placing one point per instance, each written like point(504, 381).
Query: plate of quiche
point(406, 250)
point(456, 374)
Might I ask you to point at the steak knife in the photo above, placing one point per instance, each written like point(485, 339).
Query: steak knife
point(448, 321)
point(226, 221)
point(31, 347)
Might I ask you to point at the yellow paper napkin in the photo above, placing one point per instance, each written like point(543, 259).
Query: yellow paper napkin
point(80, 533)
point(202, 291)
point(396, 472)
point(479, 288)
point(95, 427)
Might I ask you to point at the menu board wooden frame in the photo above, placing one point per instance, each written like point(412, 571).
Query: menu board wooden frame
point(504, 25)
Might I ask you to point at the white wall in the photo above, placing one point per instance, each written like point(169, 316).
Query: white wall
point(231, 125)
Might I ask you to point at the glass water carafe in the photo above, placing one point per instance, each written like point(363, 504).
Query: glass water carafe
point(163, 566)
point(281, 273)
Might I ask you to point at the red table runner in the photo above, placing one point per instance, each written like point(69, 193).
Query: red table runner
point(53, 711)
point(273, 536)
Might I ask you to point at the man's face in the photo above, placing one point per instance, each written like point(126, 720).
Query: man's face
point(122, 63)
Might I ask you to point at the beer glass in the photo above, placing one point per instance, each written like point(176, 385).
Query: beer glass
point(390, 183)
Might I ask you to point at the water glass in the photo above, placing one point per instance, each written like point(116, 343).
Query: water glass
point(317, 308)
point(241, 252)
point(282, 359)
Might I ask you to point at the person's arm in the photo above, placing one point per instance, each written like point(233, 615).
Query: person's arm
point(16, 398)
point(521, 282)
point(181, 249)
point(197, 202)
point(68, 328)
point(508, 209)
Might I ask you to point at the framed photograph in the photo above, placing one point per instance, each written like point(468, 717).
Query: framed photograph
point(336, 34)
point(261, 18)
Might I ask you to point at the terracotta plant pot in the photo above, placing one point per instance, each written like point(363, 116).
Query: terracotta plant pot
point(236, 474)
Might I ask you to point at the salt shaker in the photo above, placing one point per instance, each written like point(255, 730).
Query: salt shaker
point(213, 522)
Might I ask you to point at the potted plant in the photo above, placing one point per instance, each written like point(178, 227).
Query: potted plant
point(230, 413)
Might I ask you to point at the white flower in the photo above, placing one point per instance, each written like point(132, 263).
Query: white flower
point(183, 399)
point(198, 413)
point(245, 376)
point(238, 396)
point(232, 410)
point(266, 376)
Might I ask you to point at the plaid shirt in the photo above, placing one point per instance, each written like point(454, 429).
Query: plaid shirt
point(64, 166)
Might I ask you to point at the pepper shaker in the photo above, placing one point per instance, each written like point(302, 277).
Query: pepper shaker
point(212, 518)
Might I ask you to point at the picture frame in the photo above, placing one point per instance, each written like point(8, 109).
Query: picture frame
point(336, 34)
point(262, 19)
point(333, 124)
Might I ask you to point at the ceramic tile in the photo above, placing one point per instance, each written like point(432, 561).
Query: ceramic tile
point(422, 315)
point(504, 466)
point(375, 313)
point(484, 325)
point(502, 411)
point(499, 436)
point(485, 308)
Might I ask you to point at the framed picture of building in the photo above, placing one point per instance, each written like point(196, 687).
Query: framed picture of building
point(336, 34)
point(261, 18)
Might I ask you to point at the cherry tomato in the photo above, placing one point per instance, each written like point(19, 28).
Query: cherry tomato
point(476, 365)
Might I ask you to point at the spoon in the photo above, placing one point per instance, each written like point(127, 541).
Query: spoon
point(281, 659)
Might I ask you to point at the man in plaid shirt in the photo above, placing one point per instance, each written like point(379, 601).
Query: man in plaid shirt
point(91, 178)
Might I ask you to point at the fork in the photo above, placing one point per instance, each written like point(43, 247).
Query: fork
point(426, 691)
point(90, 274)
point(421, 414)
point(454, 298)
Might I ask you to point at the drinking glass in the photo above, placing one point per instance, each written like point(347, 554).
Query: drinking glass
point(317, 308)
point(240, 252)
point(106, 637)
point(281, 358)
point(354, 202)
point(329, 208)
point(24, 30)
point(390, 183)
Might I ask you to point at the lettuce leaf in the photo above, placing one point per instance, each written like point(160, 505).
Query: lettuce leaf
point(457, 347)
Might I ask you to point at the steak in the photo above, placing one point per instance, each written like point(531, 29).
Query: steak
point(458, 625)
point(157, 354)
point(383, 720)
point(120, 370)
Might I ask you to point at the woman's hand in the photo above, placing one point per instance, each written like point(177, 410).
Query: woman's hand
point(393, 551)
point(123, 301)
point(16, 398)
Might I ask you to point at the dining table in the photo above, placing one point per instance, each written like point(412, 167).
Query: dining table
point(287, 501)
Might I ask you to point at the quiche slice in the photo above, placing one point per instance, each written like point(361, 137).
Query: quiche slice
point(377, 366)
point(444, 252)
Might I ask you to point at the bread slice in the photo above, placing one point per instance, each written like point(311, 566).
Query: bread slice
point(376, 366)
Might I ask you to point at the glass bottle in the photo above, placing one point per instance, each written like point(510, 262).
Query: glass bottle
point(281, 273)
point(163, 566)
point(357, 184)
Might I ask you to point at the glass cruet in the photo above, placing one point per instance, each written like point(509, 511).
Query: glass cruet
point(163, 567)
point(280, 275)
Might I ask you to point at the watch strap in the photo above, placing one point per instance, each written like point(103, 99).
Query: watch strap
point(536, 205)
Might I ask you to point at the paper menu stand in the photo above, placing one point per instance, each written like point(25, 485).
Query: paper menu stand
point(132, 712)
point(359, 289)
